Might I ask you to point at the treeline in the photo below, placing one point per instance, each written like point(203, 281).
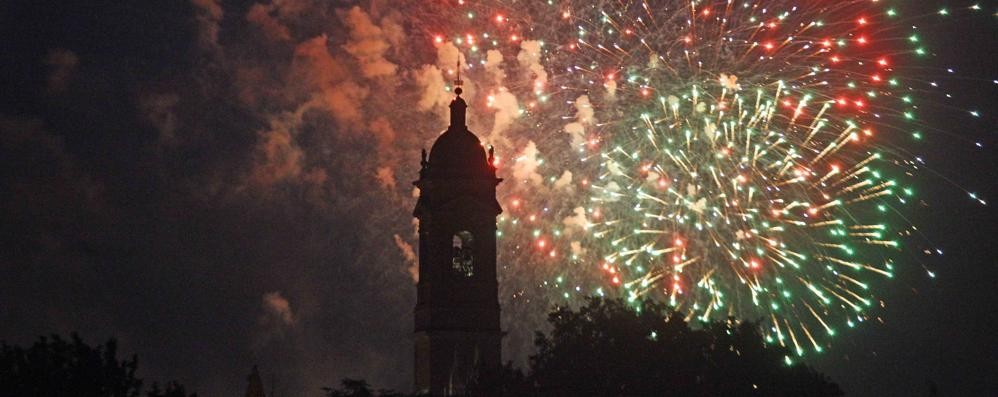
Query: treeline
point(606, 348)
point(54, 366)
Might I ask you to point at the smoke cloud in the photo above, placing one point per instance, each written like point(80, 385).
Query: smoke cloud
point(507, 110)
point(209, 17)
point(409, 255)
point(277, 309)
point(584, 116)
point(493, 66)
point(260, 15)
point(62, 64)
point(564, 182)
point(530, 58)
point(368, 44)
point(525, 165)
point(577, 222)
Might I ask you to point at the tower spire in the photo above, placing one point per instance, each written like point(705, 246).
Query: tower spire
point(255, 387)
point(458, 83)
point(458, 106)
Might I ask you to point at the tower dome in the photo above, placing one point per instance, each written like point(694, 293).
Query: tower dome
point(458, 152)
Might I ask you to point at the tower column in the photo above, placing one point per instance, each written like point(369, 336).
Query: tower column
point(457, 331)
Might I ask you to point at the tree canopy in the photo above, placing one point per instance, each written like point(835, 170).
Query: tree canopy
point(54, 366)
point(608, 348)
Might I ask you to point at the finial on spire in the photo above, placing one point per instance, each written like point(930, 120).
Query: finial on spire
point(458, 82)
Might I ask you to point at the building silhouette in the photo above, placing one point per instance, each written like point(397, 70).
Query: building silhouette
point(254, 387)
point(457, 334)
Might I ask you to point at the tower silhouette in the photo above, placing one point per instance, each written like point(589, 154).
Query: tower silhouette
point(255, 386)
point(457, 334)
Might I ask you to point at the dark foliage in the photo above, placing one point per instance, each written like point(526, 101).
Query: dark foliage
point(358, 388)
point(608, 349)
point(53, 366)
point(173, 389)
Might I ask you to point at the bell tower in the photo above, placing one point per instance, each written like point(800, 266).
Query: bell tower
point(457, 334)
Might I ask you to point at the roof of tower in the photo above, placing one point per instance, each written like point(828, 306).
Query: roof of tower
point(458, 151)
point(456, 154)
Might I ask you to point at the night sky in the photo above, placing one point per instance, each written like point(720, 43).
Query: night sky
point(165, 180)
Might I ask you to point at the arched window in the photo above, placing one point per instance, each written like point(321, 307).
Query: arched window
point(463, 257)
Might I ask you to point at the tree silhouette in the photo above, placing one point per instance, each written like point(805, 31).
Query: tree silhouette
point(358, 388)
point(606, 348)
point(53, 366)
point(173, 389)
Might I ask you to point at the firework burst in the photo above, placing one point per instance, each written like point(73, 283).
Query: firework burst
point(733, 158)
